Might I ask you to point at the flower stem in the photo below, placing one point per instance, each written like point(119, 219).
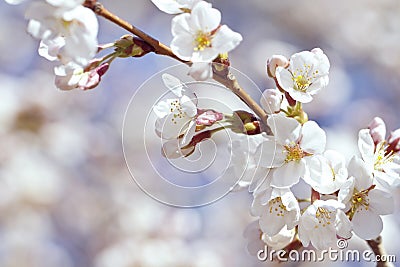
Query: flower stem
point(378, 249)
point(228, 79)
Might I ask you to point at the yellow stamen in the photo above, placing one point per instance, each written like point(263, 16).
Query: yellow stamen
point(202, 41)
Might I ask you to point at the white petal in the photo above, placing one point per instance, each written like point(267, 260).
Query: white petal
point(182, 46)
point(187, 137)
point(343, 225)
point(226, 40)
point(288, 175)
point(286, 130)
point(172, 83)
point(204, 17)
point(284, 78)
point(180, 25)
point(381, 202)
point(271, 224)
point(367, 224)
point(162, 109)
point(357, 168)
point(321, 177)
point(168, 6)
point(188, 106)
point(171, 130)
point(366, 146)
point(271, 154)
point(313, 138)
point(303, 97)
point(346, 191)
point(289, 200)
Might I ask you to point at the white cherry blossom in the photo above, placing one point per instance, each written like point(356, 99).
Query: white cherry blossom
point(276, 208)
point(306, 75)
point(176, 116)
point(328, 172)
point(322, 222)
point(199, 37)
point(175, 6)
point(287, 152)
point(49, 20)
point(385, 165)
point(364, 203)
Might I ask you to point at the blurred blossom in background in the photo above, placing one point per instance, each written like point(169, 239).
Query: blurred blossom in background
point(66, 196)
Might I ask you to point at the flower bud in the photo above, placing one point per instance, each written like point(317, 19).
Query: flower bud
point(271, 101)
point(274, 62)
point(93, 77)
point(129, 46)
point(208, 117)
point(377, 130)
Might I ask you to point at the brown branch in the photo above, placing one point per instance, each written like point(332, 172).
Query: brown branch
point(377, 247)
point(229, 80)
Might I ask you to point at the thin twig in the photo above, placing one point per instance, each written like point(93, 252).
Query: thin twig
point(229, 80)
point(377, 247)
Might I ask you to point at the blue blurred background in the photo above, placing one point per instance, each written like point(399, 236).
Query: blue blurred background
point(66, 196)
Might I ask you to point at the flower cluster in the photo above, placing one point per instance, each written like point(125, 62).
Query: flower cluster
point(346, 198)
point(284, 152)
point(68, 33)
point(198, 34)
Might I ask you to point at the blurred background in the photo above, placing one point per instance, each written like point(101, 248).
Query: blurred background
point(66, 196)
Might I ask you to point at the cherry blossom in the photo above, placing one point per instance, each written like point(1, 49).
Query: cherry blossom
point(276, 208)
point(328, 172)
point(364, 202)
point(287, 152)
point(385, 165)
point(306, 75)
point(322, 222)
point(49, 20)
point(199, 37)
point(176, 116)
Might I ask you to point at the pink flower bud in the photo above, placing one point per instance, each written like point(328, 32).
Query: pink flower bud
point(208, 117)
point(93, 78)
point(377, 130)
point(274, 62)
point(271, 101)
